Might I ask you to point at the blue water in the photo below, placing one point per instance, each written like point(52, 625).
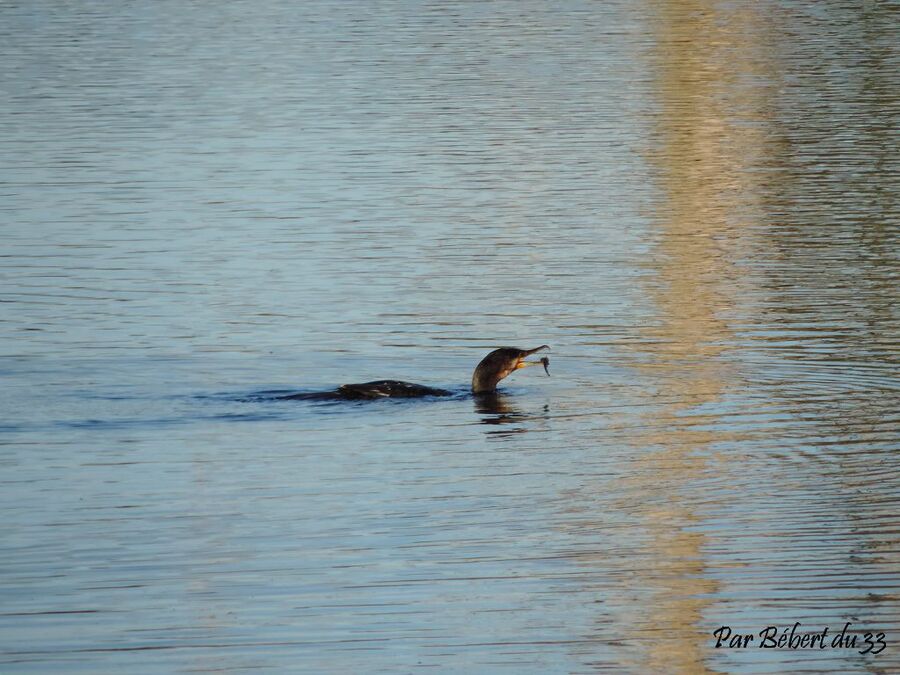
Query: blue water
point(693, 203)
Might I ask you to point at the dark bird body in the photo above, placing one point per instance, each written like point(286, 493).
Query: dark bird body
point(387, 388)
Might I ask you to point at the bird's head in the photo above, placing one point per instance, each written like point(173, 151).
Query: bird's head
point(500, 363)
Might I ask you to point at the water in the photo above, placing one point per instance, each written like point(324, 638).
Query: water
point(694, 203)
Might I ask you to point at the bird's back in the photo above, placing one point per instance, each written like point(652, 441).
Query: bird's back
point(387, 389)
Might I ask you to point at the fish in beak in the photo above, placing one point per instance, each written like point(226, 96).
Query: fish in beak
point(544, 361)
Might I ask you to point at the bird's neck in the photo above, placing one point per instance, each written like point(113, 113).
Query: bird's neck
point(484, 382)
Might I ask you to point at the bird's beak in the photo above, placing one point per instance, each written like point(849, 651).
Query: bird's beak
point(522, 363)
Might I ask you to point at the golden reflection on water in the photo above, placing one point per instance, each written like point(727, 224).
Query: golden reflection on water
point(702, 58)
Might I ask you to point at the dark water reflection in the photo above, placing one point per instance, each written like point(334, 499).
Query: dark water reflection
point(203, 205)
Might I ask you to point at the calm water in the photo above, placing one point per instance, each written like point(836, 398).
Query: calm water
point(694, 203)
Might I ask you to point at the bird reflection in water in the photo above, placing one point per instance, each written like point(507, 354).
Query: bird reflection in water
point(498, 410)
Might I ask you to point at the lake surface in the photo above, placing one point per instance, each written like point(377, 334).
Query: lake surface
point(694, 203)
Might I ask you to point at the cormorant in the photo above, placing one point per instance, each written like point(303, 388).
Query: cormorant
point(492, 368)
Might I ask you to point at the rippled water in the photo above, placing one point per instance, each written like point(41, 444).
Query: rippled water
point(694, 203)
